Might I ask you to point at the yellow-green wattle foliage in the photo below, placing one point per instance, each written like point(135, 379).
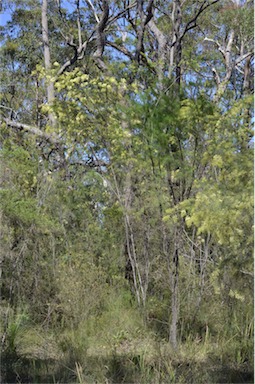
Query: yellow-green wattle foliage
point(88, 109)
point(221, 201)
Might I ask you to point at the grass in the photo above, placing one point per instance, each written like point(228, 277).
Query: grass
point(116, 346)
point(141, 360)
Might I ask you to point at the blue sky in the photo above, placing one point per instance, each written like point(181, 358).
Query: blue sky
point(5, 13)
point(4, 17)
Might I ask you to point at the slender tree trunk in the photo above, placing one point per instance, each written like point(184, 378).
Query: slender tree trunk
point(247, 76)
point(140, 284)
point(176, 48)
point(171, 253)
point(174, 276)
point(178, 63)
point(162, 48)
point(222, 85)
point(47, 59)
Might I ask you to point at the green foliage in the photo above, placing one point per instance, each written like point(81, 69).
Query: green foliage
point(143, 170)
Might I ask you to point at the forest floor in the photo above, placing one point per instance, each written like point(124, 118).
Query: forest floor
point(143, 360)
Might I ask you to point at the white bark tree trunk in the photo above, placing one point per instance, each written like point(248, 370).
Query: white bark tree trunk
point(47, 59)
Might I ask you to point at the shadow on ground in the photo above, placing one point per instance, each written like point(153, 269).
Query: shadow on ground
point(119, 369)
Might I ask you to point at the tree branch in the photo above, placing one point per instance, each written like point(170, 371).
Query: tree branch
point(160, 36)
point(220, 49)
point(100, 35)
point(79, 22)
point(144, 20)
point(51, 138)
point(216, 76)
point(120, 49)
point(78, 55)
point(120, 14)
point(192, 23)
point(149, 12)
point(243, 57)
point(89, 2)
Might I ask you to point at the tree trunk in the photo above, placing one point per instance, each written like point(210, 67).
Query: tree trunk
point(176, 49)
point(174, 271)
point(247, 76)
point(47, 59)
point(222, 85)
